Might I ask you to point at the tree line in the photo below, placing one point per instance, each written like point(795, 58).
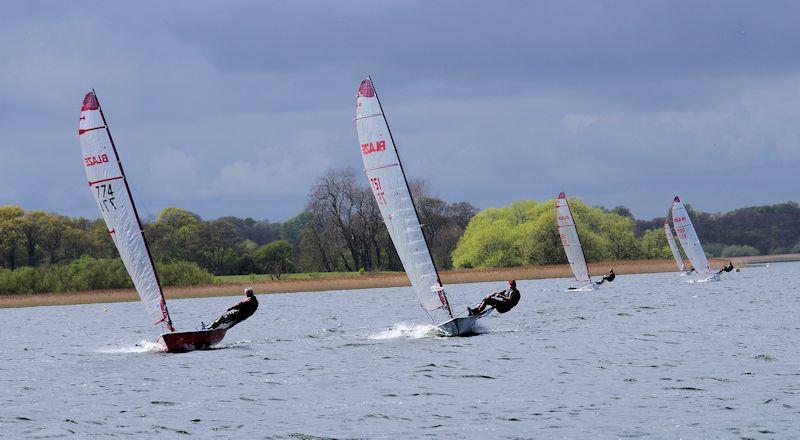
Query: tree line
point(341, 230)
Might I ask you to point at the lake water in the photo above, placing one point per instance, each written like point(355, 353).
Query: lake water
point(648, 356)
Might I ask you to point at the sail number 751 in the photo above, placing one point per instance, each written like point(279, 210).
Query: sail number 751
point(377, 188)
point(105, 197)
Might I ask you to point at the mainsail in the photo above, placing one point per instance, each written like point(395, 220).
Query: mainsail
point(673, 246)
point(109, 187)
point(569, 238)
point(688, 237)
point(390, 187)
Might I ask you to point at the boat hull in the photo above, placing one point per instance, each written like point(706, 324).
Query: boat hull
point(709, 279)
point(462, 326)
point(587, 288)
point(181, 342)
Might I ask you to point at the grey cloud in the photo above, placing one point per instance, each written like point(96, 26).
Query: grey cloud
point(489, 101)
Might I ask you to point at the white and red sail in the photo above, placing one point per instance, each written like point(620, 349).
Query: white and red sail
point(107, 184)
point(569, 238)
point(389, 185)
point(688, 237)
point(676, 253)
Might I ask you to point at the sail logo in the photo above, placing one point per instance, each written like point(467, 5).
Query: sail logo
point(95, 160)
point(563, 218)
point(372, 147)
point(679, 219)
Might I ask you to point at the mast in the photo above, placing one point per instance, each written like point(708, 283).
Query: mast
point(408, 187)
point(136, 214)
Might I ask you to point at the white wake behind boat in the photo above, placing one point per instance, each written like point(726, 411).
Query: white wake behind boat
point(691, 243)
point(389, 185)
point(572, 246)
point(109, 186)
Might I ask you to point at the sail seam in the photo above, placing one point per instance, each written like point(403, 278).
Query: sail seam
point(368, 116)
point(382, 166)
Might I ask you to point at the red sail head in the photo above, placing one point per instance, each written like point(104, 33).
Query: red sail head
point(562, 196)
point(90, 102)
point(677, 199)
point(366, 89)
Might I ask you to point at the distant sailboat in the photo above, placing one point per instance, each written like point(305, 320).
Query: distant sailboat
point(676, 253)
point(109, 187)
point(572, 244)
point(690, 242)
point(390, 188)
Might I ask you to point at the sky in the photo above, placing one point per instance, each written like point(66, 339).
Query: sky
point(237, 107)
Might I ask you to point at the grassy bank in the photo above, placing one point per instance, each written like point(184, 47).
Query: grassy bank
point(233, 285)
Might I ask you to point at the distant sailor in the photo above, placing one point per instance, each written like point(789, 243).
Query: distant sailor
point(237, 313)
point(727, 268)
point(502, 301)
point(610, 277)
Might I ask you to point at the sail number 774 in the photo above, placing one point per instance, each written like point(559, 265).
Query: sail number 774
point(105, 197)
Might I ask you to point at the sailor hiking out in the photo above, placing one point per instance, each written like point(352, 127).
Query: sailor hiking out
point(610, 277)
point(238, 312)
point(502, 301)
point(726, 268)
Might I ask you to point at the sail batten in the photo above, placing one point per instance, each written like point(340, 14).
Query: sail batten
point(570, 240)
point(109, 187)
point(688, 237)
point(388, 183)
point(676, 253)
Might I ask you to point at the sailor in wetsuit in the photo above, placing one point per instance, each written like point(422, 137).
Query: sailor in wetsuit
point(610, 277)
point(502, 301)
point(237, 313)
point(727, 268)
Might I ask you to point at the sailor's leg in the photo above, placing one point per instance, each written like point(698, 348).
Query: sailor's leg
point(227, 320)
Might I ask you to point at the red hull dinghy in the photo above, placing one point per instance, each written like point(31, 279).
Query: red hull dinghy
point(181, 342)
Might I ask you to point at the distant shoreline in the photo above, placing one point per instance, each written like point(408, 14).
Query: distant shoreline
point(367, 281)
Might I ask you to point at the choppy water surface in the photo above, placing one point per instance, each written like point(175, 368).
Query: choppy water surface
point(648, 356)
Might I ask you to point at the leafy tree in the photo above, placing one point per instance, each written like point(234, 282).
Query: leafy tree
point(739, 251)
point(525, 232)
point(654, 244)
point(275, 258)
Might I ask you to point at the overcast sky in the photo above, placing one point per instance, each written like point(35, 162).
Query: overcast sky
point(235, 108)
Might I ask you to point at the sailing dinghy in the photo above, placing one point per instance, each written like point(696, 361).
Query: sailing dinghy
point(676, 253)
point(109, 187)
point(572, 245)
point(390, 188)
point(691, 243)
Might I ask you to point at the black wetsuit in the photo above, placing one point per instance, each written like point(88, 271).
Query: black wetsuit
point(503, 301)
point(726, 268)
point(236, 314)
point(610, 277)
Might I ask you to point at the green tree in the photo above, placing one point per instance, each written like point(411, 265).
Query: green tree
point(525, 232)
point(275, 258)
point(739, 251)
point(654, 244)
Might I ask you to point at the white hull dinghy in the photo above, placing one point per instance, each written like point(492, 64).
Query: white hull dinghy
point(572, 246)
point(389, 185)
point(691, 243)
